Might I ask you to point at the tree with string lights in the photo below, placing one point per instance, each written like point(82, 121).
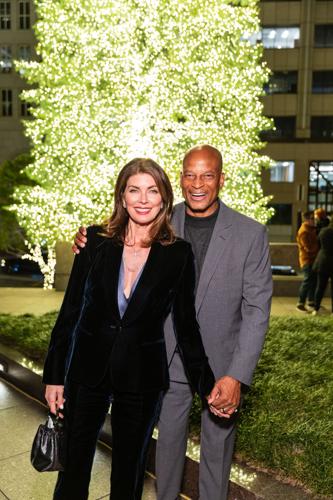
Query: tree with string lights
point(118, 79)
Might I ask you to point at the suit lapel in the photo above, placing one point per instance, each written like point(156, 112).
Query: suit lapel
point(178, 219)
point(111, 274)
point(216, 248)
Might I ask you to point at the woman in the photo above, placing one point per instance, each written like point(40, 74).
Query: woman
point(321, 219)
point(108, 338)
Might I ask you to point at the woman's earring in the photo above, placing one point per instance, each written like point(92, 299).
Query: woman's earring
point(162, 206)
point(124, 204)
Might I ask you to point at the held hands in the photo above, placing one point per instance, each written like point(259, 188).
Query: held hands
point(224, 399)
point(80, 240)
point(54, 395)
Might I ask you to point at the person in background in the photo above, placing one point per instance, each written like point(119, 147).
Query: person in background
point(307, 250)
point(321, 219)
point(323, 266)
point(108, 341)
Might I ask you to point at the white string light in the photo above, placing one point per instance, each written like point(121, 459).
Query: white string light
point(118, 79)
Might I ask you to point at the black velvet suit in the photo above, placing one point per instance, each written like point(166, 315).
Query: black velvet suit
point(91, 343)
point(89, 336)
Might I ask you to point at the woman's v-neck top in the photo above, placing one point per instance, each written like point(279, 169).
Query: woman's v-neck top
point(123, 301)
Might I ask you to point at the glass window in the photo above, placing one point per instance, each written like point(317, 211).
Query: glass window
point(5, 19)
point(5, 59)
point(283, 171)
point(322, 127)
point(322, 82)
point(276, 37)
point(320, 192)
point(24, 15)
point(282, 82)
point(24, 52)
point(284, 129)
point(282, 214)
point(323, 35)
point(6, 102)
point(25, 109)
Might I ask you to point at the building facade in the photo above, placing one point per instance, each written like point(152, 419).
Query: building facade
point(17, 41)
point(298, 40)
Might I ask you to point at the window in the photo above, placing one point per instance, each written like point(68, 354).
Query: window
point(322, 82)
point(5, 59)
point(320, 191)
point(282, 215)
point(323, 35)
point(24, 52)
point(24, 15)
point(6, 102)
point(25, 109)
point(282, 82)
point(322, 127)
point(276, 37)
point(283, 171)
point(285, 129)
point(5, 21)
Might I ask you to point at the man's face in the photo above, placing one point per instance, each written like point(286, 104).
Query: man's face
point(311, 221)
point(201, 181)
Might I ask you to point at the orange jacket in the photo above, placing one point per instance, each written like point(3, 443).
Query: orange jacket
point(307, 242)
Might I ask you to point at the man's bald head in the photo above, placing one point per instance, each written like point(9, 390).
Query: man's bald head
point(201, 180)
point(207, 151)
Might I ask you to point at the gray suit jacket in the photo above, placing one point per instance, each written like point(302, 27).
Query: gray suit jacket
point(233, 296)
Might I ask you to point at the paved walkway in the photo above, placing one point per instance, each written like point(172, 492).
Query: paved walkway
point(20, 416)
point(38, 301)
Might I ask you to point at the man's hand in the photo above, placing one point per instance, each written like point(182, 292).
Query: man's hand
point(54, 395)
point(225, 397)
point(80, 240)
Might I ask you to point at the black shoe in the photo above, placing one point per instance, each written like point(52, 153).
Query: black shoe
point(302, 308)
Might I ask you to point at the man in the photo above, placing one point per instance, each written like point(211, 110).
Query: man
point(323, 267)
point(307, 250)
point(233, 294)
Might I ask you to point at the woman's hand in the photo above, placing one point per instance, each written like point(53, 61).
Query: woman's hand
point(54, 395)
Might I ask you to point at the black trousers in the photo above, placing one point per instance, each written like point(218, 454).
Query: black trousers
point(133, 417)
point(322, 281)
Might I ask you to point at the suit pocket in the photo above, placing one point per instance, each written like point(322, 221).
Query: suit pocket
point(84, 331)
point(153, 342)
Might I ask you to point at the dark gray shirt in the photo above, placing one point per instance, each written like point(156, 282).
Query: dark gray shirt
point(198, 231)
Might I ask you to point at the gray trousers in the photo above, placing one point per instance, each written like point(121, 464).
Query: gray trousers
point(217, 444)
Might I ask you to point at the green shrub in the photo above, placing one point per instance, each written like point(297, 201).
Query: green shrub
point(27, 333)
point(287, 420)
point(287, 423)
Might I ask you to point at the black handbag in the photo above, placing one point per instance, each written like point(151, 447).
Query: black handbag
point(48, 447)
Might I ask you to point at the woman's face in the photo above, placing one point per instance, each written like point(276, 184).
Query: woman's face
point(142, 199)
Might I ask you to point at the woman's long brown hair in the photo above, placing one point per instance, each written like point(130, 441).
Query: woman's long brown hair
point(161, 230)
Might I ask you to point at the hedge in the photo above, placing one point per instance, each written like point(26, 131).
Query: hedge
point(286, 424)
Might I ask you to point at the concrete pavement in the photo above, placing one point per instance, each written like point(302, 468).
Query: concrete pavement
point(38, 301)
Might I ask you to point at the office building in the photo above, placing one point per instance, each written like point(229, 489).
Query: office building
point(298, 40)
point(17, 41)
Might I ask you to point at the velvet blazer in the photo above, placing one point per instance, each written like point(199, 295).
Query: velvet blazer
point(90, 339)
